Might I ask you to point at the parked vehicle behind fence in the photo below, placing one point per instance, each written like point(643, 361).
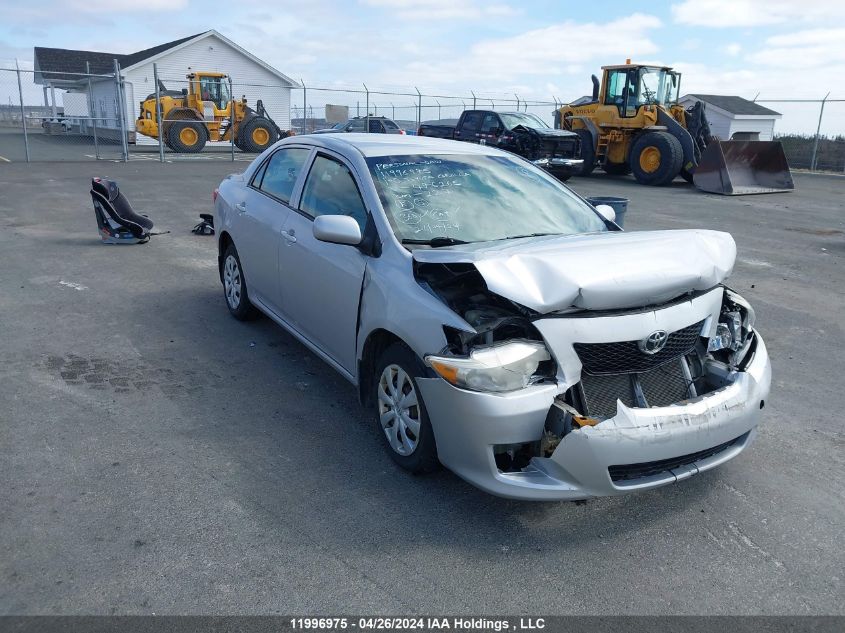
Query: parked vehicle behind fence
point(557, 151)
point(491, 319)
point(378, 125)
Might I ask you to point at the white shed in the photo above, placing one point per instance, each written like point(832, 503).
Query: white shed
point(735, 118)
point(209, 51)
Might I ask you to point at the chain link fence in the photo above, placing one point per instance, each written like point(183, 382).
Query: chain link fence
point(101, 115)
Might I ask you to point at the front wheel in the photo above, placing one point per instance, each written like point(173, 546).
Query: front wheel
point(401, 416)
point(656, 158)
point(257, 135)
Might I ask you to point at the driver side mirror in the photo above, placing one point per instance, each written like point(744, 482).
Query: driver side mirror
point(607, 212)
point(337, 229)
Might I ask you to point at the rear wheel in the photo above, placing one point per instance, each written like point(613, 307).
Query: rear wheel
point(257, 135)
point(401, 417)
point(656, 158)
point(588, 152)
point(187, 136)
point(234, 286)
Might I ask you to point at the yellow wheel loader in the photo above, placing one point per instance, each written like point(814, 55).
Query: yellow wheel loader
point(634, 123)
point(203, 112)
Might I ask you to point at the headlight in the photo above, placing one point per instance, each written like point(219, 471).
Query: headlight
point(499, 367)
point(736, 322)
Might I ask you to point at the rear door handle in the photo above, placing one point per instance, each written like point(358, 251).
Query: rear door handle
point(290, 236)
point(240, 207)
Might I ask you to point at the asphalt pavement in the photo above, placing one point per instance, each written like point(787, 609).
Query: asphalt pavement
point(158, 456)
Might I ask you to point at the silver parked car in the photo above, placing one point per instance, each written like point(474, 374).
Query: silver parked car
point(492, 319)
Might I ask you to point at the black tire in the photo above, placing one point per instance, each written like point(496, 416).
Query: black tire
point(686, 175)
point(562, 176)
point(588, 152)
point(617, 169)
point(257, 134)
point(656, 158)
point(187, 136)
point(240, 306)
point(423, 457)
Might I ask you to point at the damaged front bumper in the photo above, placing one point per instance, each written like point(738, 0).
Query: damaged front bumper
point(636, 449)
point(562, 166)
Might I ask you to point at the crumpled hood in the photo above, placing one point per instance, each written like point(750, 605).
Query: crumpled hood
point(600, 271)
point(548, 132)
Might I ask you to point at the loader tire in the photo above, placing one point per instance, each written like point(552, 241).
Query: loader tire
point(656, 158)
point(588, 152)
point(257, 135)
point(617, 169)
point(187, 136)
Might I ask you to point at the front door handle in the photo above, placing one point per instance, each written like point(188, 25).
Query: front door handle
point(240, 207)
point(290, 236)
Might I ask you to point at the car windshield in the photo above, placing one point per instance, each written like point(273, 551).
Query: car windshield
point(511, 120)
point(469, 198)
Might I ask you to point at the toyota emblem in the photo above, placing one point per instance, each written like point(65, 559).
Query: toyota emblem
point(654, 342)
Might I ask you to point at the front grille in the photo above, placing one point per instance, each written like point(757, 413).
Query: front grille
point(665, 385)
point(660, 387)
point(625, 357)
point(601, 393)
point(628, 472)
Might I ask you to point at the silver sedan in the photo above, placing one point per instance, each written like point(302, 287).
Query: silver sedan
point(492, 320)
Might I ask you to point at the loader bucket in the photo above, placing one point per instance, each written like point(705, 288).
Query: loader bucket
point(735, 168)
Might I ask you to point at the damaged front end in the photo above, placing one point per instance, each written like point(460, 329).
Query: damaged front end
point(589, 403)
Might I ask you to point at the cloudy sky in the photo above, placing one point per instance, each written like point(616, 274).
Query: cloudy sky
point(538, 49)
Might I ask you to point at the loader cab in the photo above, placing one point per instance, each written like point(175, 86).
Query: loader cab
point(211, 88)
point(629, 87)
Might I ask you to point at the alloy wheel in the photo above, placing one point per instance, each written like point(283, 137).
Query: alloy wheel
point(399, 409)
point(232, 282)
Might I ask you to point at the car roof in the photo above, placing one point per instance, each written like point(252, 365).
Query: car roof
point(371, 145)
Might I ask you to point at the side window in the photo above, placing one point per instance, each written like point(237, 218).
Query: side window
point(376, 127)
point(472, 121)
point(390, 125)
point(356, 125)
point(615, 87)
point(259, 174)
point(491, 122)
point(621, 92)
point(282, 171)
point(331, 190)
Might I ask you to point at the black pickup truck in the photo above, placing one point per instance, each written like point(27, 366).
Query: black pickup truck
point(557, 151)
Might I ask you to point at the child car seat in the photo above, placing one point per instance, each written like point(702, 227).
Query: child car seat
point(117, 222)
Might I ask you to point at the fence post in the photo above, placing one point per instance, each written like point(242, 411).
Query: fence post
point(438, 109)
point(232, 117)
point(23, 112)
point(818, 130)
point(92, 107)
point(304, 105)
point(121, 112)
point(159, 122)
point(517, 101)
point(367, 106)
point(473, 99)
point(419, 107)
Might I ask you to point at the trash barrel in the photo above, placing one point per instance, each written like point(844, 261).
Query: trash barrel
point(620, 206)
